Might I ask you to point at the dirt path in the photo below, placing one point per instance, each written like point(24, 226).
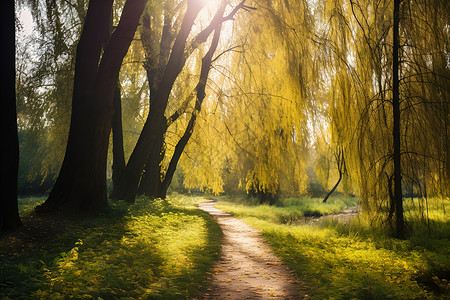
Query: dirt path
point(247, 268)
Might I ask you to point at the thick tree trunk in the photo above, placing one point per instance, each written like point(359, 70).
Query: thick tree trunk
point(117, 129)
point(131, 176)
point(151, 179)
point(9, 214)
point(81, 184)
point(149, 135)
point(398, 197)
point(179, 148)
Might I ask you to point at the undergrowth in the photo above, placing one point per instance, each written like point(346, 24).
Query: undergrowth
point(353, 260)
point(152, 249)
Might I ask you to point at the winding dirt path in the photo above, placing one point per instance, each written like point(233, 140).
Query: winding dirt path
point(247, 268)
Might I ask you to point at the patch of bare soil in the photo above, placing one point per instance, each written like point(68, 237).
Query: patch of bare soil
point(247, 268)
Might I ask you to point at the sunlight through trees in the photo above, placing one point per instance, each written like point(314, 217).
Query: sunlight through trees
point(267, 98)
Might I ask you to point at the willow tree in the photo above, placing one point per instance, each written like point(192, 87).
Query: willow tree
point(360, 97)
point(424, 94)
point(81, 184)
point(408, 96)
point(374, 84)
point(253, 137)
point(174, 49)
point(336, 63)
point(425, 81)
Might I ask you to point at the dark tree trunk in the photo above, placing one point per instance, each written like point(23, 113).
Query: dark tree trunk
point(201, 87)
point(398, 197)
point(340, 160)
point(117, 129)
point(151, 179)
point(149, 135)
point(131, 176)
point(81, 184)
point(9, 214)
point(179, 148)
point(333, 189)
point(391, 197)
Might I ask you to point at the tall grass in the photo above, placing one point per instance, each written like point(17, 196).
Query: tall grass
point(356, 260)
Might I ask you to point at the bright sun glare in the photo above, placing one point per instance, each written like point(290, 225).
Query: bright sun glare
point(26, 20)
point(213, 4)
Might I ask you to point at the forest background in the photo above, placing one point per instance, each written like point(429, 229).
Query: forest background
point(300, 96)
point(265, 102)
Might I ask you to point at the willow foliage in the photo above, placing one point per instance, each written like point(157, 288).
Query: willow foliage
point(320, 73)
point(292, 83)
point(358, 38)
point(255, 122)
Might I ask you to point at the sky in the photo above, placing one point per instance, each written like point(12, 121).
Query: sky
point(26, 20)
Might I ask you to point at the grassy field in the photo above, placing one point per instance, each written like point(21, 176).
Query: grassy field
point(152, 249)
point(164, 249)
point(352, 260)
point(287, 210)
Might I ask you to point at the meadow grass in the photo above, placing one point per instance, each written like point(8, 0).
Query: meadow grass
point(287, 210)
point(353, 260)
point(152, 249)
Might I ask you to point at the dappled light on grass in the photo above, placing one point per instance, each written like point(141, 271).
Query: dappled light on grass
point(151, 249)
point(353, 261)
point(345, 267)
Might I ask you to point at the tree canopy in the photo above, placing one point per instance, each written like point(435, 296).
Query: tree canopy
point(264, 97)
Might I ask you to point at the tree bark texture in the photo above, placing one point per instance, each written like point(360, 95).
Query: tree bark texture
point(81, 184)
point(150, 183)
point(398, 197)
point(117, 129)
point(9, 214)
